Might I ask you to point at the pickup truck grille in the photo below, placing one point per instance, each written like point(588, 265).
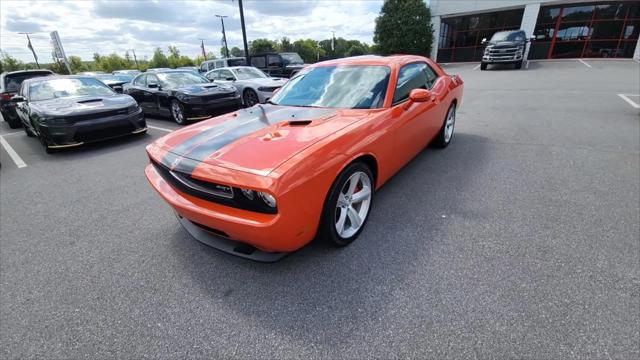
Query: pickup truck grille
point(502, 53)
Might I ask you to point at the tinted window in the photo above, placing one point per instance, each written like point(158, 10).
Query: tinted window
point(353, 87)
point(12, 82)
point(258, 62)
point(236, 62)
point(431, 76)
point(219, 64)
point(273, 60)
point(181, 78)
point(59, 88)
point(411, 76)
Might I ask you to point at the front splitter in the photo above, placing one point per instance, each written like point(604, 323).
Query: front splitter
point(229, 246)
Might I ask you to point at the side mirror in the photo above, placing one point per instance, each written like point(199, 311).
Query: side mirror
point(152, 86)
point(532, 38)
point(418, 96)
point(484, 40)
point(17, 99)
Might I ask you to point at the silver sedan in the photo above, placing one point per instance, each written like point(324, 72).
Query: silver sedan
point(254, 85)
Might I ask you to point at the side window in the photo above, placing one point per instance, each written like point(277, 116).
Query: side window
point(431, 76)
point(204, 67)
point(219, 64)
point(226, 74)
point(258, 61)
point(410, 76)
point(273, 60)
point(141, 80)
point(152, 79)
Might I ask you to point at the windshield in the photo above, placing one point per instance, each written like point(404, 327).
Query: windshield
point(174, 79)
point(116, 77)
point(292, 58)
point(59, 88)
point(352, 87)
point(508, 36)
point(249, 73)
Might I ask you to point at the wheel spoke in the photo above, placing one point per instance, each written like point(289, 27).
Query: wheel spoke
point(353, 182)
point(354, 217)
point(342, 200)
point(361, 195)
point(341, 221)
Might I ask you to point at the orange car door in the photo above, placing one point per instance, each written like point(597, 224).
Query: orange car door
point(412, 122)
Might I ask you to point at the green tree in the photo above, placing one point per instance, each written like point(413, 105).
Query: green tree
point(236, 52)
point(404, 27)
point(199, 59)
point(285, 45)
point(308, 50)
point(176, 60)
point(9, 63)
point(262, 45)
point(159, 59)
point(76, 64)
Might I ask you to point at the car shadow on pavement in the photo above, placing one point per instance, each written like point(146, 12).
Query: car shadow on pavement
point(322, 294)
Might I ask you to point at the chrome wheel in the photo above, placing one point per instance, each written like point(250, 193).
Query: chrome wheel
point(353, 204)
point(449, 124)
point(176, 112)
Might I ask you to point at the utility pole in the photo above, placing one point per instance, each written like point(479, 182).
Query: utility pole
point(244, 33)
point(204, 53)
point(135, 58)
point(31, 47)
point(224, 35)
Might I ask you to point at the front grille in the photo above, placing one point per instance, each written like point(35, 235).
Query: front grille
point(99, 133)
point(502, 53)
point(211, 191)
point(96, 115)
point(217, 96)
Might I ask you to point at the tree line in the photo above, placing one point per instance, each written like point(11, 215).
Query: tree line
point(403, 27)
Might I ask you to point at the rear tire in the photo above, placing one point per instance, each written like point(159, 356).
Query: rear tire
point(347, 206)
point(519, 65)
point(446, 132)
point(483, 66)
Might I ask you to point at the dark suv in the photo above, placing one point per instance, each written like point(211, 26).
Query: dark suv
point(284, 64)
point(505, 47)
point(9, 85)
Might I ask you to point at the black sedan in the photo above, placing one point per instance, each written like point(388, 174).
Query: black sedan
point(68, 111)
point(182, 94)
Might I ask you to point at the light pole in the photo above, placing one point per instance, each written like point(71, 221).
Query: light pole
point(35, 57)
point(244, 33)
point(224, 35)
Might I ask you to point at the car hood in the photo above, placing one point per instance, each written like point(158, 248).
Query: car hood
point(255, 140)
point(203, 89)
point(505, 44)
point(77, 105)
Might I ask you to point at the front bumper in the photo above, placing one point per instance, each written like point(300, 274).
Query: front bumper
point(86, 131)
point(496, 56)
point(198, 111)
point(288, 230)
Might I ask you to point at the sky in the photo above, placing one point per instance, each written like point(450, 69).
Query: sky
point(89, 26)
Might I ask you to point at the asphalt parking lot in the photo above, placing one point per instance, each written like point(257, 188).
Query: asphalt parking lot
point(521, 239)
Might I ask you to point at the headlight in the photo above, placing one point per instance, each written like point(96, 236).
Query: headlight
point(268, 199)
point(248, 193)
point(133, 109)
point(265, 89)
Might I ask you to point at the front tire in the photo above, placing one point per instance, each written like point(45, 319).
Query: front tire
point(177, 112)
point(483, 66)
point(446, 132)
point(250, 98)
point(348, 205)
point(519, 65)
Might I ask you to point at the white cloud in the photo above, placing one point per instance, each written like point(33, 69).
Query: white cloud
point(101, 26)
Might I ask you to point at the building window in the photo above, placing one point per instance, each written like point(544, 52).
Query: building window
point(461, 37)
point(607, 29)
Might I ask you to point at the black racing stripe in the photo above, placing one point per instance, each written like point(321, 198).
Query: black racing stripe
point(185, 157)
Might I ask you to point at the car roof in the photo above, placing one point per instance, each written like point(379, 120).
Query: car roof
point(397, 60)
point(160, 71)
point(52, 77)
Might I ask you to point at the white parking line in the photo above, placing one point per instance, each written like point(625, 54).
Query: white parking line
point(625, 97)
point(585, 63)
point(477, 67)
point(11, 133)
point(526, 65)
point(159, 128)
point(12, 153)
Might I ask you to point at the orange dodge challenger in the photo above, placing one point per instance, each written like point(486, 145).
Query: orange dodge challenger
point(263, 181)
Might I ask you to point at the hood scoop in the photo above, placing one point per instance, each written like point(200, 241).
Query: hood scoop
point(89, 101)
point(299, 122)
point(210, 86)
